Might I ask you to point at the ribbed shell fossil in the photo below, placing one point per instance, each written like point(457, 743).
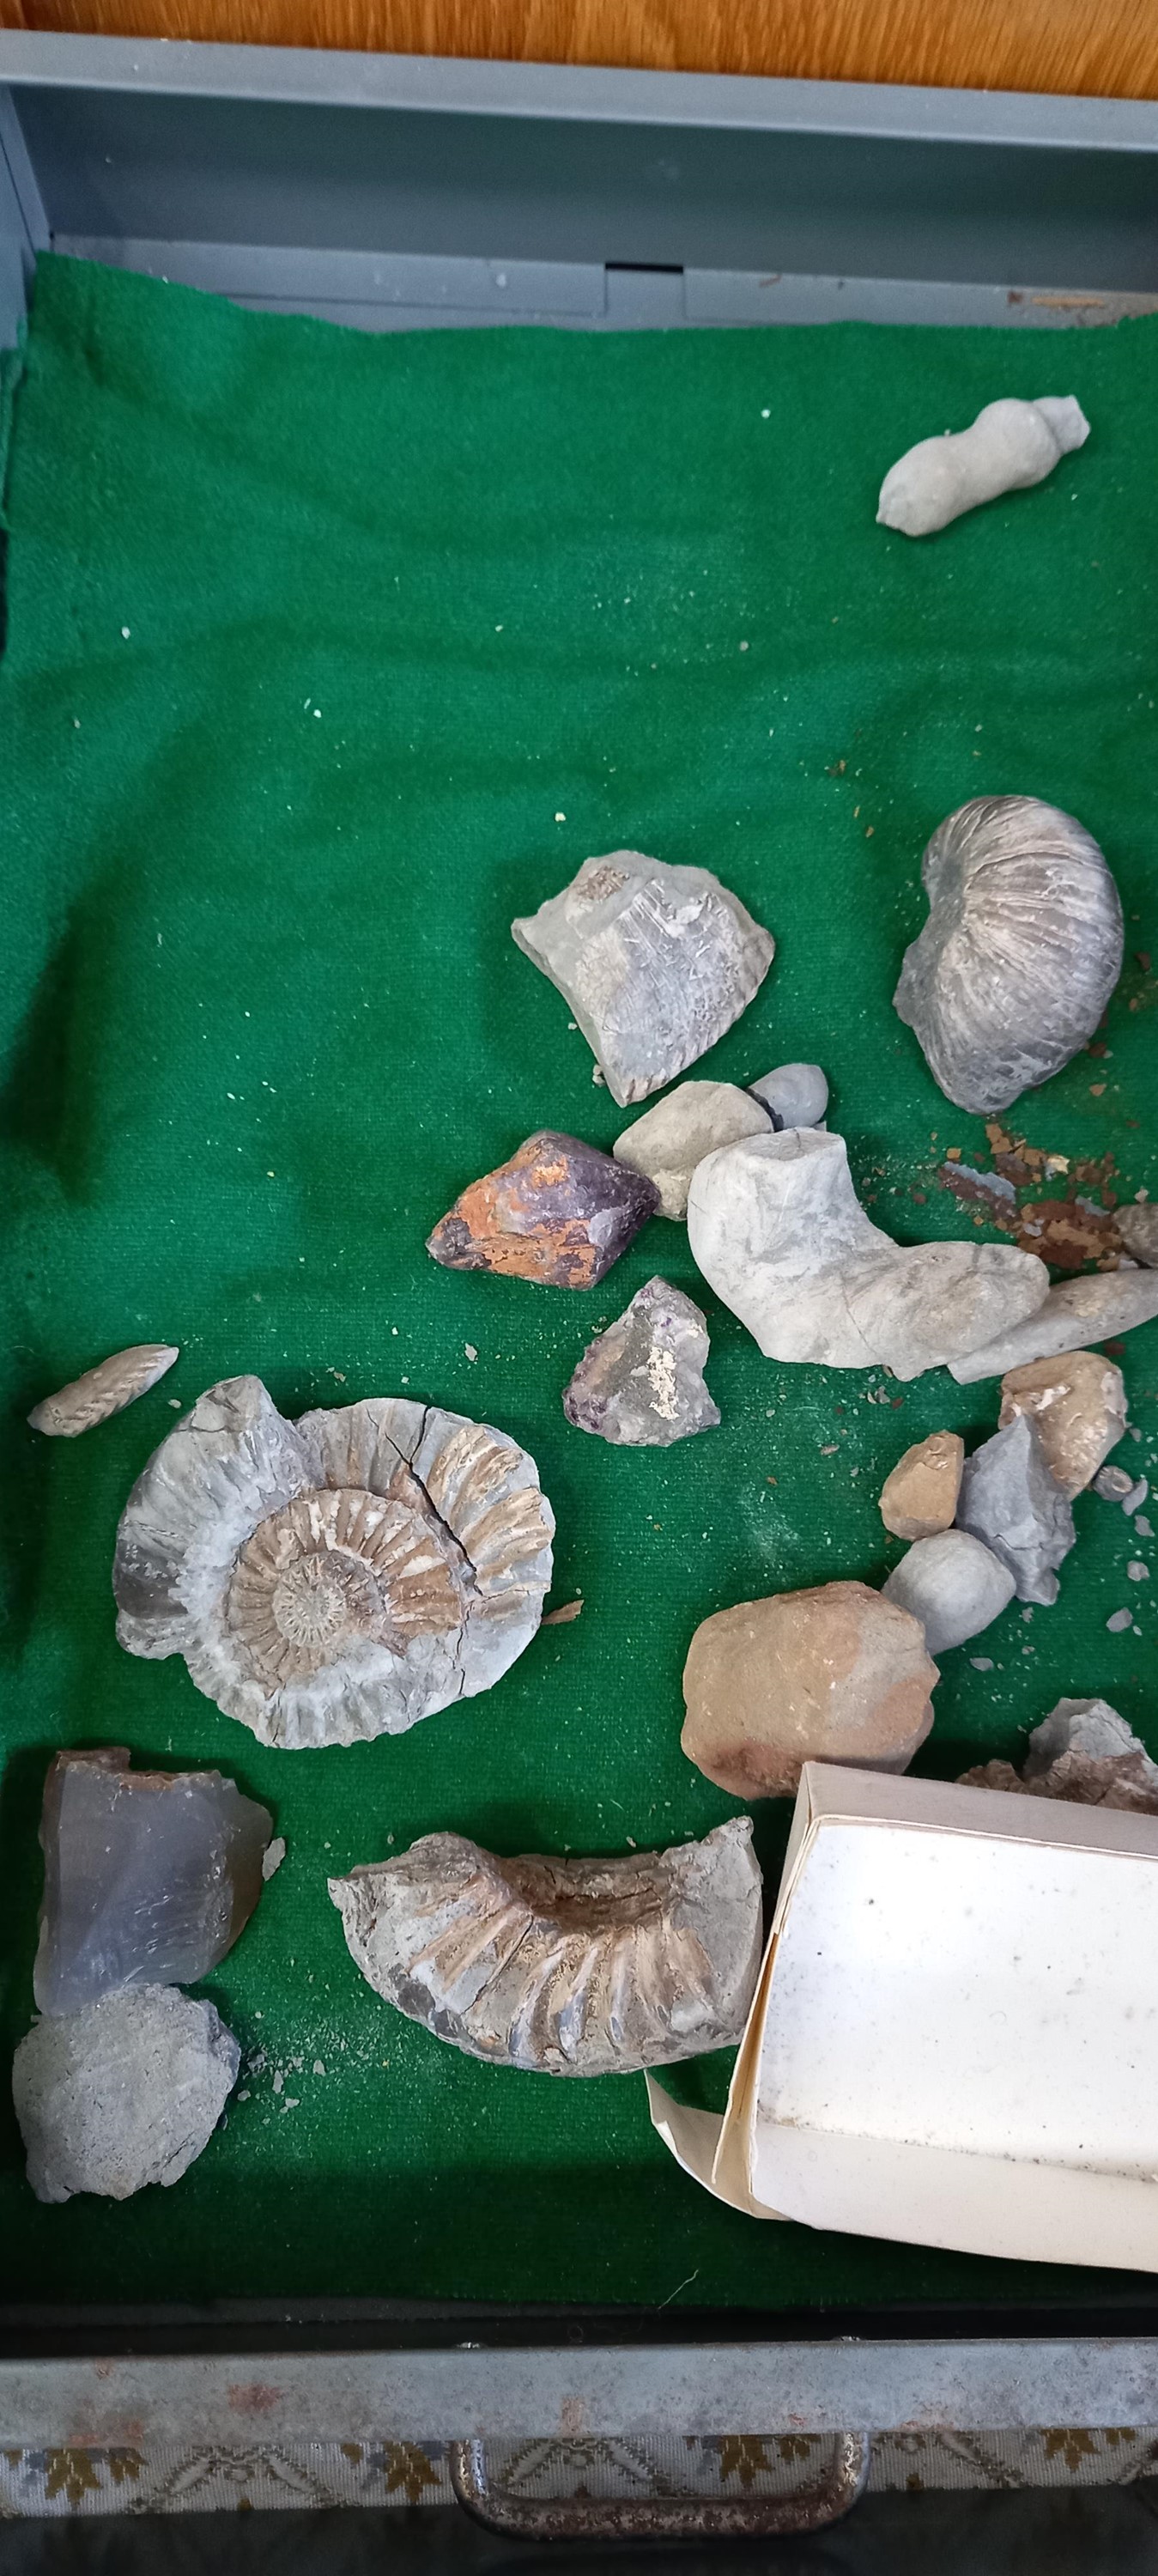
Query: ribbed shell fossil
point(655, 961)
point(1020, 953)
point(335, 1578)
point(563, 1967)
point(103, 1390)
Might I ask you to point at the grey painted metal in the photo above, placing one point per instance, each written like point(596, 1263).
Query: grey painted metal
point(384, 291)
point(472, 2393)
point(419, 82)
point(827, 2498)
point(23, 224)
point(150, 166)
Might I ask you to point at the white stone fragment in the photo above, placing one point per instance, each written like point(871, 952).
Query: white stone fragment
point(695, 1119)
point(1093, 1308)
point(275, 1854)
point(1119, 1621)
point(796, 1094)
point(1138, 1572)
point(1010, 1501)
point(777, 1229)
point(655, 961)
point(1009, 446)
point(953, 1584)
point(125, 2092)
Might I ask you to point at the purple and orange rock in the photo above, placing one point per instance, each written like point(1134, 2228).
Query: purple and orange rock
point(559, 1211)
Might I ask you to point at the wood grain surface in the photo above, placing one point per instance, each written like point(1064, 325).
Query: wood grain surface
point(1106, 47)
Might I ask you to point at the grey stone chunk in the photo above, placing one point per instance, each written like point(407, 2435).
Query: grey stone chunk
point(1119, 1621)
point(1088, 1726)
point(1010, 1501)
point(125, 2093)
point(795, 1094)
point(953, 1584)
point(1138, 1227)
point(641, 1383)
point(1020, 953)
point(563, 1967)
point(655, 961)
point(149, 1876)
point(1087, 1309)
point(668, 1141)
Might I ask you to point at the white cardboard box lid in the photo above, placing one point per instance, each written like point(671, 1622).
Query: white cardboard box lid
point(954, 2036)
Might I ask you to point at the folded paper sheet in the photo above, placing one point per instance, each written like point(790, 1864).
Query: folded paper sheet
point(954, 2039)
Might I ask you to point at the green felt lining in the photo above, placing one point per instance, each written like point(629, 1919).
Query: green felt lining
point(326, 655)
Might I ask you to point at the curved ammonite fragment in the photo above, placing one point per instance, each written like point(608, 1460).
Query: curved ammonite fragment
point(563, 1967)
point(339, 1577)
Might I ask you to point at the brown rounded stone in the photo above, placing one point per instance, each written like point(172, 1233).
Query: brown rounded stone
point(833, 1674)
point(1078, 1406)
point(919, 1498)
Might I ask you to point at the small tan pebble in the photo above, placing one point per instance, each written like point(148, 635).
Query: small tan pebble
point(695, 1120)
point(1078, 1404)
point(1138, 1228)
point(832, 1674)
point(273, 1856)
point(559, 1618)
point(103, 1390)
point(919, 1497)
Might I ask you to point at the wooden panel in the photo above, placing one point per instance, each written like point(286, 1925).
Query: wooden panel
point(1106, 47)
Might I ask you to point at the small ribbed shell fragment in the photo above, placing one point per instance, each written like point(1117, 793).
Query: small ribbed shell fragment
point(103, 1390)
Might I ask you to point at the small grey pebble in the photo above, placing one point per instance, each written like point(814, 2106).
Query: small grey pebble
point(1144, 1528)
point(1118, 1620)
point(1138, 1572)
point(1112, 1483)
point(981, 1663)
point(1133, 1501)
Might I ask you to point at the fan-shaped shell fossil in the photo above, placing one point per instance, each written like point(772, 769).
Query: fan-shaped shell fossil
point(564, 1967)
point(103, 1390)
point(655, 961)
point(1020, 953)
point(335, 1578)
point(776, 1226)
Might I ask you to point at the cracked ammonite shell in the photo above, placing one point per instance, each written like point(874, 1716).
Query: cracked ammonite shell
point(335, 1578)
point(563, 1967)
point(1020, 953)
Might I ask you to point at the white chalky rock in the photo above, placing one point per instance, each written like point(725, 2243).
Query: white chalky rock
point(796, 1094)
point(125, 2092)
point(776, 1227)
point(953, 1584)
point(655, 961)
point(1100, 1304)
point(694, 1120)
point(1010, 1500)
point(1010, 445)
